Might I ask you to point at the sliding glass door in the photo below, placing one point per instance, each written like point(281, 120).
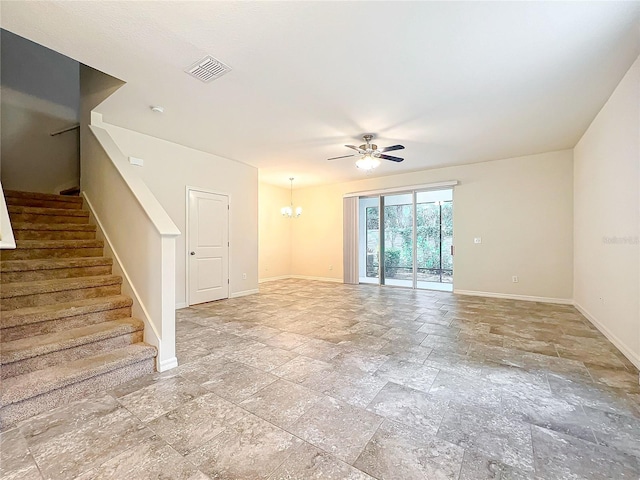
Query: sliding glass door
point(434, 240)
point(407, 239)
point(398, 240)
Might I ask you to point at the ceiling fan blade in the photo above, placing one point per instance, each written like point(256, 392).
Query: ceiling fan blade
point(357, 149)
point(344, 156)
point(392, 148)
point(393, 159)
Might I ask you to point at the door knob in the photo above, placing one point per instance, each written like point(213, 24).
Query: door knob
point(192, 253)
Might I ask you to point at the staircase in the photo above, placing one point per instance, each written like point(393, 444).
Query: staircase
point(65, 328)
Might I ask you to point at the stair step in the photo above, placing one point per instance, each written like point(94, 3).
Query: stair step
point(45, 269)
point(34, 249)
point(43, 292)
point(46, 200)
point(26, 355)
point(47, 215)
point(53, 231)
point(26, 395)
point(32, 321)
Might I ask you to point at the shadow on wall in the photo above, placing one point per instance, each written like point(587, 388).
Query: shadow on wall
point(40, 95)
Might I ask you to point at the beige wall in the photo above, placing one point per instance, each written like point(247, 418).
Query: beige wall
point(169, 168)
point(274, 232)
point(607, 217)
point(522, 208)
point(40, 95)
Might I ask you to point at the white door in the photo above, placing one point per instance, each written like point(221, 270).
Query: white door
point(208, 249)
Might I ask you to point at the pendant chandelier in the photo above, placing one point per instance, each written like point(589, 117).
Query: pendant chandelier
point(289, 211)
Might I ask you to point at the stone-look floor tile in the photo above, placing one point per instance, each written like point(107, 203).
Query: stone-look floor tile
point(499, 437)
point(150, 460)
point(262, 357)
point(249, 449)
point(495, 354)
point(161, 397)
point(560, 457)
point(408, 374)
point(318, 349)
point(311, 463)
point(509, 376)
point(16, 462)
point(360, 360)
point(601, 357)
point(533, 346)
point(596, 395)
point(397, 451)
point(196, 422)
point(537, 406)
point(301, 368)
point(286, 340)
point(337, 428)
point(614, 377)
point(70, 441)
point(281, 402)
point(364, 342)
point(452, 362)
point(409, 407)
point(260, 333)
point(368, 328)
point(477, 466)
point(351, 386)
point(237, 382)
point(616, 431)
point(440, 330)
point(142, 382)
point(407, 352)
point(401, 335)
point(466, 390)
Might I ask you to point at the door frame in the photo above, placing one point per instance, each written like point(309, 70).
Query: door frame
point(190, 188)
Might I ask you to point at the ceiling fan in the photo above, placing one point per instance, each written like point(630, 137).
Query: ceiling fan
point(370, 155)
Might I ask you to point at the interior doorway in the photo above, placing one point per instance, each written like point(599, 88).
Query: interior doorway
point(412, 233)
point(207, 246)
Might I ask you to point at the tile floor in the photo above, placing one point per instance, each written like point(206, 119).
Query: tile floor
point(312, 380)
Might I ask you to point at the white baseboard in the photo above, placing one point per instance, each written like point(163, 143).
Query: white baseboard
point(526, 298)
point(167, 364)
point(244, 293)
point(300, 277)
point(317, 279)
point(181, 305)
point(273, 279)
point(620, 345)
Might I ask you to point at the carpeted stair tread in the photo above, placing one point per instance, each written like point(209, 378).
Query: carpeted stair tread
point(23, 387)
point(42, 196)
point(53, 244)
point(43, 313)
point(64, 227)
point(52, 264)
point(17, 350)
point(55, 212)
point(10, 290)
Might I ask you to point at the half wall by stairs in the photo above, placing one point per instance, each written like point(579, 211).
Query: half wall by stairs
point(65, 328)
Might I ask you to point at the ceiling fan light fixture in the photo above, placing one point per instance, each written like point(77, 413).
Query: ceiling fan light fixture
point(367, 163)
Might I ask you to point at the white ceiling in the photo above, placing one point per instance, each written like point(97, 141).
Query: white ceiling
point(455, 82)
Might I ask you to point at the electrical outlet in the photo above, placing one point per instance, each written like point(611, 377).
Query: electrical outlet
point(330, 267)
point(477, 240)
point(244, 276)
point(514, 279)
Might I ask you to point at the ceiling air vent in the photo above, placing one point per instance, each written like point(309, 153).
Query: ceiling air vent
point(208, 69)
